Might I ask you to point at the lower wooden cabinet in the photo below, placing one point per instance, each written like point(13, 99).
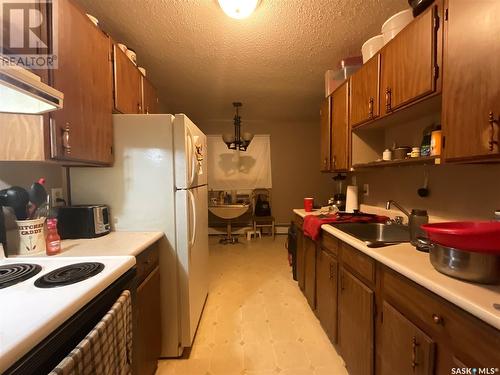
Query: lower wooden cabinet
point(356, 324)
point(310, 271)
point(326, 292)
point(403, 347)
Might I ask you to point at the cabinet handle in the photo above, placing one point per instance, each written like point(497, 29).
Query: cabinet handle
point(493, 121)
point(331, 271)
point(437, 319)
point(65, 139)
point(334, 161)
point(139, 108)
point(388, 100)
point(414, 353)
point(370, 108)
point(325, 163)
point(342, 287)
point(147, 110)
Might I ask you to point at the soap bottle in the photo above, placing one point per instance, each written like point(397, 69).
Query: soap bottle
point(53, 240)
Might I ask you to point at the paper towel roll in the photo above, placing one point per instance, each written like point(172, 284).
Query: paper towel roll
point(351, 203)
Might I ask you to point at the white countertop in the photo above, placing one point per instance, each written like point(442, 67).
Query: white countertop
point(112, 244)
point(476, 299)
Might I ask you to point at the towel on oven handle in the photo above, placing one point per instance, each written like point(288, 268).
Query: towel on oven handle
point(107, 349)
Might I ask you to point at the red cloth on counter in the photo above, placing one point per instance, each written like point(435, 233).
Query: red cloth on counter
point(312, 223)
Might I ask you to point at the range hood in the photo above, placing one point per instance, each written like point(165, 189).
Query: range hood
point(23, 92)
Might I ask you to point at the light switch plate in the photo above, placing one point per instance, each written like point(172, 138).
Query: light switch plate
point(55, 194)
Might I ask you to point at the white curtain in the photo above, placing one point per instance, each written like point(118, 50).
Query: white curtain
point(239, 170)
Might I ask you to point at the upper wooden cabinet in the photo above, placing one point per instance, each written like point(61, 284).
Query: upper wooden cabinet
point(364, 103)
point(82, 130)
point(340, 129)
point(150, 97)
point(325, 134)
point(409, 62)
point(471, 80)
point(127, 84)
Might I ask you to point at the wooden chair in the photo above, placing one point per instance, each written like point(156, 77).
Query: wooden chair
point(263, 221)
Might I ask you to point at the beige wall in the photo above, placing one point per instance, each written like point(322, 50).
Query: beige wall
point(457, 192)
point(294, 159)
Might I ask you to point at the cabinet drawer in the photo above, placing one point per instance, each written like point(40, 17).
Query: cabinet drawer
point(360, 263)
point(299, 221)
point(330, 243)
point(469, 337)
point(146, 262)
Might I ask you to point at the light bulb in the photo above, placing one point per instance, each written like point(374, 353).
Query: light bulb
point(238, 9)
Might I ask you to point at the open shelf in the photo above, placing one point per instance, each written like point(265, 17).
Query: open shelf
point(429, 160)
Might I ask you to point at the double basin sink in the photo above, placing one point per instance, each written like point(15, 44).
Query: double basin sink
point(376, 234)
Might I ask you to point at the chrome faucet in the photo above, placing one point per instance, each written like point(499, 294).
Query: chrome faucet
point(397, 219)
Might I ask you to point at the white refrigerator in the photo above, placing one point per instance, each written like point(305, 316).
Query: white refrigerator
point(159, 183)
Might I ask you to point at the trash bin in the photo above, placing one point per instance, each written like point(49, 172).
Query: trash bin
point(291, 246)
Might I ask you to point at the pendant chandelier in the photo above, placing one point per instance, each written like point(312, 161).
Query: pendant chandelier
point(237, 141)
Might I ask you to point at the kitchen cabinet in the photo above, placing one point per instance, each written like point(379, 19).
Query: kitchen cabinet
point(310, 271)
point(82, 130)
point(471, 98)
point(300, 259)
point(409, 69)
point(340, 129)
point(326, 292)
point(147, 338)
point(364, 99)
point(325, 134)
point(127, 84)
point(356, 324)
point(404, 348)
point(150, 97)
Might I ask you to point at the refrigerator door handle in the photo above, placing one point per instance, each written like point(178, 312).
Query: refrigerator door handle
point(193, 215)
point(192, 157)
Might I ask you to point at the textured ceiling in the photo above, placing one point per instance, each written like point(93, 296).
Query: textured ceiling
point(274, 62)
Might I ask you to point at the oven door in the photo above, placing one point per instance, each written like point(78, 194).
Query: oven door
point(48, 354)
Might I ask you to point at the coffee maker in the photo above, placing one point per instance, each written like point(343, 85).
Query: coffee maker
point(339, 196)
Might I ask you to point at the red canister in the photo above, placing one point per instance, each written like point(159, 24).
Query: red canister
point(308, 204)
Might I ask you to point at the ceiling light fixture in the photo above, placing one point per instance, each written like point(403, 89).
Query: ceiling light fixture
point(238, 9)
point(237, 141)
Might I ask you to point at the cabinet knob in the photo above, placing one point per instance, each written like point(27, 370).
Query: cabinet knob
point(65, 139)
point(370, 108)
point(437, 319)
point(388, 100)
point(493, 143)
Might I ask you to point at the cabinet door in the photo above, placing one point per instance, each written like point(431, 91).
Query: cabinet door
point(325, 129)
point(128, 84)
point(404, 348)
point(310, 271)
point(300, 260)
point(471, 80)
point(340, 128)
point(326, 292)
point(356, 324)
point(364, 104)
point(149, 97)
point(82, 130)
point(408, 62)
point(147, 336)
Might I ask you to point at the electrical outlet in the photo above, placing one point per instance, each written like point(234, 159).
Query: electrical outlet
point(366, 190)
point(56, 194)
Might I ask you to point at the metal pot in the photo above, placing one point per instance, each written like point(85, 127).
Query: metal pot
point(399, 153)
point(472, 266)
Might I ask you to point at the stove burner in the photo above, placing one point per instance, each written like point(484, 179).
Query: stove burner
point(71, 274)
point(11, 274)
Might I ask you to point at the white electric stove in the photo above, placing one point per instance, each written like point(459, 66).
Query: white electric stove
point(37, 305)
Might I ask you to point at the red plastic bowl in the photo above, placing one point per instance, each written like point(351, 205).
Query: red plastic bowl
point(478, 236)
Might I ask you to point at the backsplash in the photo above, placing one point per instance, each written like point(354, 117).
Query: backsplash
point(457, 192)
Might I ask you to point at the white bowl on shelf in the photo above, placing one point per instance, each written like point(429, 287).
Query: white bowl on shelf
point(371, 47)
point(396, 23)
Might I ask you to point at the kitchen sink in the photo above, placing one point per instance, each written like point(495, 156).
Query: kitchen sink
point(376, 234)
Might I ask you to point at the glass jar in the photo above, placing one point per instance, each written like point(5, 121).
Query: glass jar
point(417, 218)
